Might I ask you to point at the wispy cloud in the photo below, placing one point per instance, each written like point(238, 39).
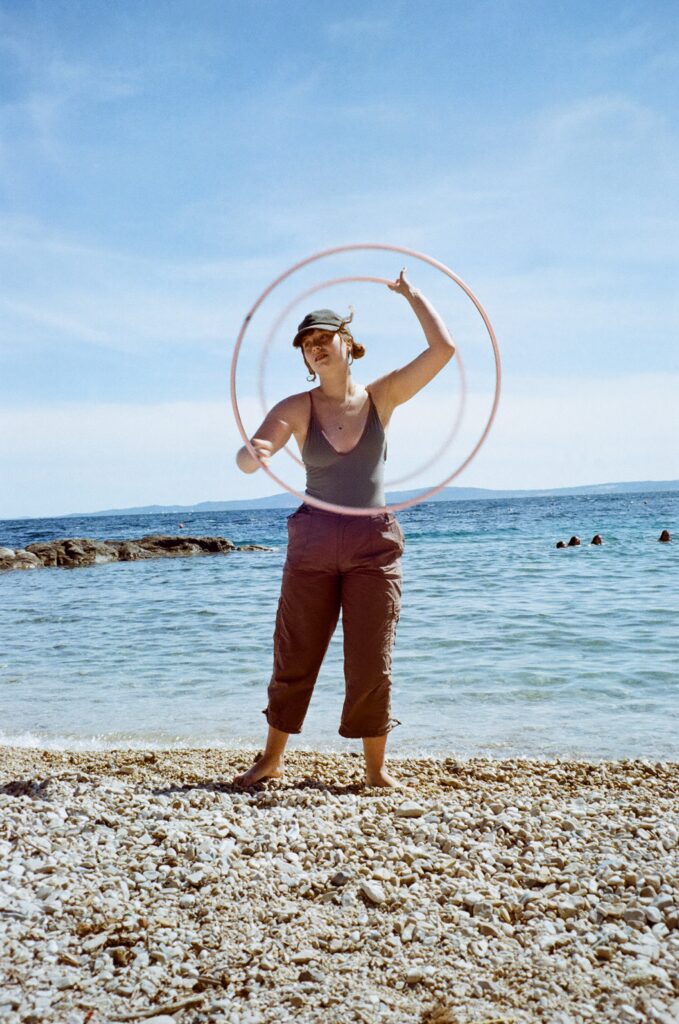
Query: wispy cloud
point(114, 299)
point(358, 29)
point(623, 42)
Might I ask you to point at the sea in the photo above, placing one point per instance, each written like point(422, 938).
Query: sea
point(506, 646)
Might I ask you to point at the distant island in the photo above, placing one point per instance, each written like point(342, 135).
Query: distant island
point(285, 500)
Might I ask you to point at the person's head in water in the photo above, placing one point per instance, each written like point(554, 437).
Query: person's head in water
point(597, 539)
point(574, 542)
point(325, 340)
point(665, 537)
point(560, 544)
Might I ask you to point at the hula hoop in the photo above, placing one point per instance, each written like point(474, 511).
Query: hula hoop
point(429, 492)
point(268, 342)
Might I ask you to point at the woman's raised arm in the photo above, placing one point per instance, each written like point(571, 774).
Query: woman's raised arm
point(400, 385)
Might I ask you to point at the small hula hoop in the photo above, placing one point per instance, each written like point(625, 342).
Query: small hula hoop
point(268, 342)
point(327, 506)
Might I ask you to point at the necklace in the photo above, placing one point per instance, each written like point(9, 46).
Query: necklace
point(343, 409)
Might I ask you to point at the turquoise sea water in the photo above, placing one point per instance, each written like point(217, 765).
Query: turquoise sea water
point(505, 647)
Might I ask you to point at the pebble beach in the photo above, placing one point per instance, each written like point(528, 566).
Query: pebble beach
point(143, 886)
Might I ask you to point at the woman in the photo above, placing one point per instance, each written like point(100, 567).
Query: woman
point(338, 562)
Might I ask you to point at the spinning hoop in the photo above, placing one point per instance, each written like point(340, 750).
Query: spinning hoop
point(431, 491)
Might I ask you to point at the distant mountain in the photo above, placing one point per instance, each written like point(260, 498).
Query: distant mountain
point(285, 500)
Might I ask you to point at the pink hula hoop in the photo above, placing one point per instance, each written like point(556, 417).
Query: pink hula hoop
point(431, 491)
point(268, 341)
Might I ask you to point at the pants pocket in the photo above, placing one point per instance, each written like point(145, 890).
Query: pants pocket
point(298, 536)
point(393, 527)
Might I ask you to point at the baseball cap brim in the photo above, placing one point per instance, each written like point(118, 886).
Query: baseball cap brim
point(315, 327)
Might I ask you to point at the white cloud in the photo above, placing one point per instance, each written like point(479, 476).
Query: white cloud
point(550, 432)
point(360, 29)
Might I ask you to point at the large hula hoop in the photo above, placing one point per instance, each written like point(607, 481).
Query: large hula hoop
point(268, 342)
point(327, 506)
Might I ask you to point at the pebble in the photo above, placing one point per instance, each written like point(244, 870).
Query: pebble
point(410, 809)
point(303, 956)
point(131, 885)
point(340, 878)
point(372, 891)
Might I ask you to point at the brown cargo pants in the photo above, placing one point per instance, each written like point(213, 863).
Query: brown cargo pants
point(337, 562)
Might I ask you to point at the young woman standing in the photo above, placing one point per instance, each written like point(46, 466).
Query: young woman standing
point(340, 562)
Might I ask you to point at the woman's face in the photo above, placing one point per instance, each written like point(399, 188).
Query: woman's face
point(322, 349)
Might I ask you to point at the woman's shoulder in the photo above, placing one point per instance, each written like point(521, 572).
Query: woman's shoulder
point(294, 406)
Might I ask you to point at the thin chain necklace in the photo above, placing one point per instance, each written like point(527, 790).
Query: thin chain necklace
point(343, 408)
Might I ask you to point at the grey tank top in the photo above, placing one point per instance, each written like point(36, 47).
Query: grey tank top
point(354, 478)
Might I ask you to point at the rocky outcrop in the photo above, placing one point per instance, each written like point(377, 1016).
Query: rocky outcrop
point(77, 551)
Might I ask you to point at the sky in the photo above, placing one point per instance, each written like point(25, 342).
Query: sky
point(161, 162)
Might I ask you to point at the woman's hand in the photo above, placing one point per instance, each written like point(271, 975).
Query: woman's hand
point(402, 285)
point(263, 448)
point(244, 460)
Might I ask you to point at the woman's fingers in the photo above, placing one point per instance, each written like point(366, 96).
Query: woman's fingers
point(261, 444)
point(263, 449)
point(400, 284)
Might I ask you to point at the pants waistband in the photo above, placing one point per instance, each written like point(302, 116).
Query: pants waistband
point(342, 515)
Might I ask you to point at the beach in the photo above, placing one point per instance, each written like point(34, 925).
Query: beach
point(141, 885)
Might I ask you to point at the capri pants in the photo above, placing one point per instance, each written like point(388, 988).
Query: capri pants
point(337, 562)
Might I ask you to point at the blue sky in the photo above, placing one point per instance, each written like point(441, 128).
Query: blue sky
point(161, 162)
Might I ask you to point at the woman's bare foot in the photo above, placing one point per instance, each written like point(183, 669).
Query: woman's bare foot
point(382, 779)
point(262, 769)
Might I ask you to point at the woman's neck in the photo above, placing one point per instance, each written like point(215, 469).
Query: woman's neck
point(338, 389)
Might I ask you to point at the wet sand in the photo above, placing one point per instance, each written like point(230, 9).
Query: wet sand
point(140, 884)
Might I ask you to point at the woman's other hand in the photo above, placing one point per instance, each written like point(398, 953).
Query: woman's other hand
point(263, 448)
point(401, 285)
point(274, 432)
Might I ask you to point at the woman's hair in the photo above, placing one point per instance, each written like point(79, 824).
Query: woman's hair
point(356, 350)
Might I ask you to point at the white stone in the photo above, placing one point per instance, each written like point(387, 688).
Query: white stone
point(647, 975)
point(410, 809)
point(372, 891)
point(304, 956)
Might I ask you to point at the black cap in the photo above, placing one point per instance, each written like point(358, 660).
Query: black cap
point(319, 320)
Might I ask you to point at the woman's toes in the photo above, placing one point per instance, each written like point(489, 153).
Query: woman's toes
point(383, 780)
point(258, 773)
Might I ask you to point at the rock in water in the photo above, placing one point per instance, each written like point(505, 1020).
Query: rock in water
point(74, 552)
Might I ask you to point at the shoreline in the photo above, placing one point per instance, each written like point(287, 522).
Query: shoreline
point(42, 745)
point(511, 890)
